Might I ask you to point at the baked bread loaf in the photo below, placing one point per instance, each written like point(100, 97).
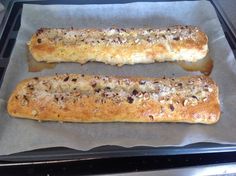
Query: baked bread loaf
point(119, 46)
point(80, 98)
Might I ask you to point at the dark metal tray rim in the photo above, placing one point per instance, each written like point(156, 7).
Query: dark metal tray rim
point(109, 151)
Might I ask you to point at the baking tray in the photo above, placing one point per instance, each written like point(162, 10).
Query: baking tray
point(9, 29)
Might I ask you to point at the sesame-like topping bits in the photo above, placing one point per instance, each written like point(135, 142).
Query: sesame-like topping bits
point(142, 82)
point(194, 97)
point(94, 84)
point(176, 38)
point(114, 36)
point(180, 84)
point(135, 92)
point(130, 100)
point(185, 103)
point(39, 40)
point(34, 112)
point(172, 108)
point(97, 90)
point(169, 93)
point(151, 117)
point(66, 78)
point(107, 88)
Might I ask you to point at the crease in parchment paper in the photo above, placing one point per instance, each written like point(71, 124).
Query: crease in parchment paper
point(18, 135)
point(215, 40)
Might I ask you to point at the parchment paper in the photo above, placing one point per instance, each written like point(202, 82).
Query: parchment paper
point(20, 135)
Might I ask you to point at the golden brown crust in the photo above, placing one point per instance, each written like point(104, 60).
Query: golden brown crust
point(79, 98)
point(119, 46)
